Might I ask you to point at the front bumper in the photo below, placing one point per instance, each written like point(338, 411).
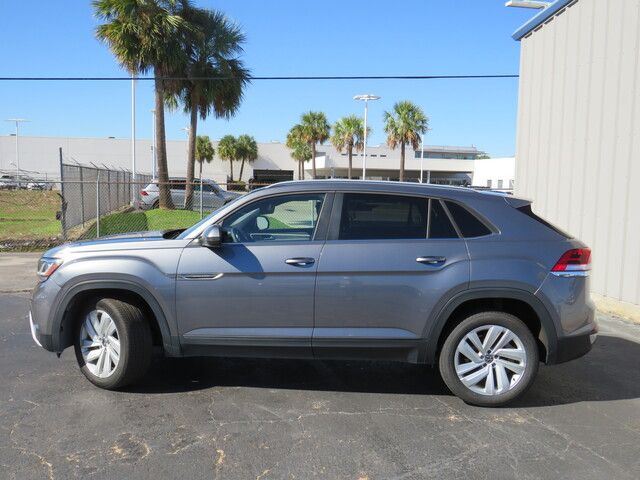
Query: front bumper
point(43, 299)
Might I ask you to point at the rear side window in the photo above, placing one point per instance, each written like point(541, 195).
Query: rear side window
point(467, 222)
point(380, 217)
point(439, 224)
point(528, 212)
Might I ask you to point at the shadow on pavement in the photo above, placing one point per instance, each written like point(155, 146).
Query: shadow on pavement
point(609, 372)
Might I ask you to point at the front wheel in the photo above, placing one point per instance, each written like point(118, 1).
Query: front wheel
point(113, 343)
point(489, 359)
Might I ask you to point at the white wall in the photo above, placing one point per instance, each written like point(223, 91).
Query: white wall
point(578, 140)
point(494, 169)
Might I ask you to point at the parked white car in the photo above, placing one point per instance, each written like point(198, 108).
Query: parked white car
point(213, 195)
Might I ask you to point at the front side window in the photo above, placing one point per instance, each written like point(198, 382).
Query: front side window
point(380, 217)
point(275, 219)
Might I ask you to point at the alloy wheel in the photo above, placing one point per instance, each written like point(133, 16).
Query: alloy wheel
point(100, 343)
point(490, 360)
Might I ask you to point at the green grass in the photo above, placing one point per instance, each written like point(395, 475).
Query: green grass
point(148, 220)
point(28, 214)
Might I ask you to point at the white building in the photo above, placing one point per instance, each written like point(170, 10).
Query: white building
point(494, 173)
point(39, 157)
point(578, 135)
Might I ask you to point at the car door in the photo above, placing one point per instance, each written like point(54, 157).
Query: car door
point(256, 289)
point(387, 262)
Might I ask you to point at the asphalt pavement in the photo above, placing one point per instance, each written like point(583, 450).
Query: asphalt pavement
point(231, 418)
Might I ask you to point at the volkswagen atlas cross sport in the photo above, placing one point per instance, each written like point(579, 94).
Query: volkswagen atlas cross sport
point(473, 282)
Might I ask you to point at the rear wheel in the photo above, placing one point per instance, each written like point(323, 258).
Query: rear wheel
point(489, 359)
point(113, 343)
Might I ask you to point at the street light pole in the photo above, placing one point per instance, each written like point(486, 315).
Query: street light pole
point(365, 99)
point(422, 158)
point(17, 121)
point(134, 190)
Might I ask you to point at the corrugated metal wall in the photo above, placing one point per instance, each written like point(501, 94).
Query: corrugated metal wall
point(578, 141)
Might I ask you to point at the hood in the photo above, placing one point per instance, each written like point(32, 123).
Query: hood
point(117, 239)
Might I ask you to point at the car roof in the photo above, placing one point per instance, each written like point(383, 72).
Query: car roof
point(381, 186)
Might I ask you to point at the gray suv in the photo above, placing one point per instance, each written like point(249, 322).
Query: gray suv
point(213, 195)
point(473, 282)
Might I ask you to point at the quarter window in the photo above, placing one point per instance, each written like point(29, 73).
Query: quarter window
point(379, 217)
point(467, 222)
point(439, 224)
point(284, 218)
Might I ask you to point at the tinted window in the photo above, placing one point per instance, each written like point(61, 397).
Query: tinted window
point(468, 224)
point(373, 216)
point(177, 184)
point(275, 219)
point(439, 224)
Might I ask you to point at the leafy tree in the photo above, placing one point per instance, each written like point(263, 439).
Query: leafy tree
point(300, 149)
point(228, 150)
point(348, 133)
point(403, 126)
point(204, 151)
point(482, 156)
point(247, 151)
point(314, 129)
point(148, 35)
point(215, 76)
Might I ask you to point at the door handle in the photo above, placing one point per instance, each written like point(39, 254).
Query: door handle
point(300, 261)
point(431, 260)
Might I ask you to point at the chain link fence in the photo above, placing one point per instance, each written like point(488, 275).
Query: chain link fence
point(89, 201)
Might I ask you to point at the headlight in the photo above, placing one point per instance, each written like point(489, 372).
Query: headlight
point(46, 267)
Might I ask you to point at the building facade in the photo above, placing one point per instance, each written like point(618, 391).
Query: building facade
point(578, 134)
point(39, 157)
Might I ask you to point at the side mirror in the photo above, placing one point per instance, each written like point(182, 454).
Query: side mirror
point(212, 237)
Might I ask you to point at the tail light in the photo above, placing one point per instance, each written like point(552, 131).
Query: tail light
point(144, 193)
point(573, 263)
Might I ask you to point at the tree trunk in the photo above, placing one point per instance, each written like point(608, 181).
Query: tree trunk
point(402, 161)
point(200, 176)
point(231, 160)
point(161, 147)
point(350, 150)
point(191, 152)
point(313, 160)
point(241, 169)
point(300, 170)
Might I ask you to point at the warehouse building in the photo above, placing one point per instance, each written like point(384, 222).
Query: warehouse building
point(578, 134)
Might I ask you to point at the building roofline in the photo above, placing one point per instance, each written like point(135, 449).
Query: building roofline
point(540, 18)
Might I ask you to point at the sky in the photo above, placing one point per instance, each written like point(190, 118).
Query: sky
point(284, 37)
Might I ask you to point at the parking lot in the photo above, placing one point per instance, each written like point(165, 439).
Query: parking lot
point(228, 418)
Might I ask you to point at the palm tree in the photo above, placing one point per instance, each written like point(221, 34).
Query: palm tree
point(348, 132)
point(247, 151)
point(204, 151)
point(403, 126)
point(228, 150)
point(148, 35)
point(300, 149)
point(212, 51)
point(315, 129)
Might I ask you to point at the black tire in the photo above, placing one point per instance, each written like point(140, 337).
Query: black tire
point(448, 352)
point(136, 345)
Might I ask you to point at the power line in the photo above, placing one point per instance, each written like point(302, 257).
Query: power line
point(310, 77)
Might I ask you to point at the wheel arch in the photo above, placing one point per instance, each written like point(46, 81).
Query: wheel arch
point(120, 289)
point(509, 300)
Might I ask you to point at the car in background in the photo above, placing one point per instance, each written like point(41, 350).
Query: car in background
point(213, 195)
point(33, 184)
point(8, 182)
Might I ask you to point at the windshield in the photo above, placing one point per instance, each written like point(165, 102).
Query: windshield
point(194, 227)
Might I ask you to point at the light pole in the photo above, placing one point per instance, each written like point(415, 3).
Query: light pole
point(153, 144)
point(365, 98)
point(421, 158)
point(17, 121)
point(134, 190)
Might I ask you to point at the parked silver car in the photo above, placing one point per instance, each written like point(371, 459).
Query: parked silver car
point(213, 195)
point(471, 281)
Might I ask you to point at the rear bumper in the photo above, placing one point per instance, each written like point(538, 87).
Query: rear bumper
point(575, 346)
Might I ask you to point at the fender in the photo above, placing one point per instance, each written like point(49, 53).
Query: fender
point(437, 322)
point(170, 340)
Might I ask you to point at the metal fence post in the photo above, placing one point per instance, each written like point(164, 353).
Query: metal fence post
point(63, 202)
point(81, 195)
point(98, 205)
point(201, 216)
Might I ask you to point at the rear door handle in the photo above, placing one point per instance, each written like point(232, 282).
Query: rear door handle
point(300, 261)
point(431, 260)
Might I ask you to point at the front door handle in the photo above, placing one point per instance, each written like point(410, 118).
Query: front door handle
point(431, 260)
point(300, 261)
